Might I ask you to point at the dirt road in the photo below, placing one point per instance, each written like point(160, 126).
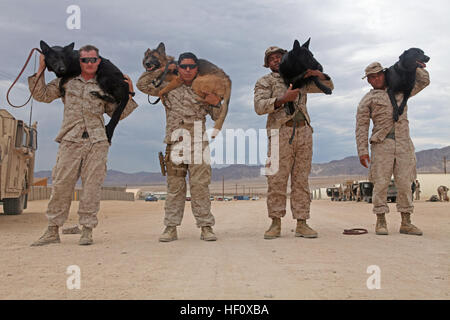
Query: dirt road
point(128, 262)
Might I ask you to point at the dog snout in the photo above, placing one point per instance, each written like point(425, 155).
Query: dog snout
point(61, 69)
point(426, 59)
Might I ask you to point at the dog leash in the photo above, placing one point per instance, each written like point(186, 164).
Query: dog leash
point(23, 69)
point(160, 80)
point(355, 231)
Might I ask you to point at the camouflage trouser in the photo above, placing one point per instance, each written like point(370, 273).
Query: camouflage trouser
point(75, 160)
point(390, 157)
point(199, 180)
point(294, 160)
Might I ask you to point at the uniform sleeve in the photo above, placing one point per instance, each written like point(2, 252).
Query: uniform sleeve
point(129, 108)
point(362, 125)
point(422, 81)
point(263, 102)
point(145, 83)
point(44, 92)
point(312, 88)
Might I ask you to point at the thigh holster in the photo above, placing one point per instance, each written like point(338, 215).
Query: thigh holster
point(178, 170)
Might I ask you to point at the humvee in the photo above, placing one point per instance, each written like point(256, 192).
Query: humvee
point(366, 189)
point(18, 144)
point(392, 192)
point(333, 193)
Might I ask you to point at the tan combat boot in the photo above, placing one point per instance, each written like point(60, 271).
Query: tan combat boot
point(169, 234)
point(208, 234)
point(381, 226)
point(407, 227)
point(274, 229)
point(86, 237)
point(51, 235)
point(303, 230)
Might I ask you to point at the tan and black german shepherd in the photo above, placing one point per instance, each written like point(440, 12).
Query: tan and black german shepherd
point(210, 79)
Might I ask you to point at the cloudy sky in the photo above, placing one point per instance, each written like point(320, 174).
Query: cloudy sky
point(345, 37)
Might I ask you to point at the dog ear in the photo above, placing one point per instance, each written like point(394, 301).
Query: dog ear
point(69, 47)
point(296, 45)
point(147, 52)
point(44, 47)
point(161, 49)
point(306, 44)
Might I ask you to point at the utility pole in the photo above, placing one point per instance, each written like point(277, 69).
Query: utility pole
point(223, 187)
point(236, 190)
point(243, 190)
point(445, 165)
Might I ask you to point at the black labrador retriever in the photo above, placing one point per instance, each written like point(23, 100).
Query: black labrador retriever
point(64, 62)
point(401, 77)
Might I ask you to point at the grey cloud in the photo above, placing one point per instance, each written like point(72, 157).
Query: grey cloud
point(346, 36)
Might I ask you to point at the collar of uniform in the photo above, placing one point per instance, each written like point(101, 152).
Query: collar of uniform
point(275, 74)
point(79, 77)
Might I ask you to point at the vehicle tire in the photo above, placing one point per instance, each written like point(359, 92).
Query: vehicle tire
point(25, 202)
point(13, 206)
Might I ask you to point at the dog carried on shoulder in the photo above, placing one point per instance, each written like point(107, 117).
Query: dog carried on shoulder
point(64, 62)
point(210, 79)
point(401, 77)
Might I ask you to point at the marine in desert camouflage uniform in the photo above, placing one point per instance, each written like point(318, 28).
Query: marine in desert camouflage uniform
point(83, 148)
point(294, 159)
point(392, 150)
point(417, 191)
point(184, 111)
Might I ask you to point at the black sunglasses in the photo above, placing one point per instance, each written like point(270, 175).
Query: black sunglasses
point(87, 60)
point(190, 66)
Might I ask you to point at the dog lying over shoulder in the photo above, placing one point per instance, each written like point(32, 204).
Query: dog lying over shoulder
point(210, 79)
point(293, 68)
point(401, 77)
point(65, 63)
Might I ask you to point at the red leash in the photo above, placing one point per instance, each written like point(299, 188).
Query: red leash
point(31, 94)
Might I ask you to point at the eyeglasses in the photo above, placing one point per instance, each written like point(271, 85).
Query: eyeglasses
point(87, 60)
point(190, 66)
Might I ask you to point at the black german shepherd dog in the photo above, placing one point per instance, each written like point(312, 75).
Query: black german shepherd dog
point(65, 63)
point(401, 77)
point(293, 67)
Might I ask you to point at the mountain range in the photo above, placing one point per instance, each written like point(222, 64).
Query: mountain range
point(428, 161)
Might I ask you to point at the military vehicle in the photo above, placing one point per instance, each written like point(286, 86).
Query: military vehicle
point(366, 191)
point(392, 192)
point(18, 144)
point(333, 193)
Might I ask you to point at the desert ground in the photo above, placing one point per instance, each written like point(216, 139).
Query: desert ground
point(126, 260)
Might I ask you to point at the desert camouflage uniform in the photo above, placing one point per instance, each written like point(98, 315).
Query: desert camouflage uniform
point(417, 191)
point(182, 111)
point(294, 159)
point(391, 146)
point(78, 156)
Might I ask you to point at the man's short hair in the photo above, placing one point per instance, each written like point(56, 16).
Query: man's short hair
point(187, 55)
point(88, 47)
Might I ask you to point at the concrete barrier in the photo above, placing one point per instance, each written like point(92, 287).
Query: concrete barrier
point(44, 193)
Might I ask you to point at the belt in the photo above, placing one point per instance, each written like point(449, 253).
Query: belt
point(298, 124)
point(85, 135)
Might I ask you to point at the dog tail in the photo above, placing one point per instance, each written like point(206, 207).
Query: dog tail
point(224, 108)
